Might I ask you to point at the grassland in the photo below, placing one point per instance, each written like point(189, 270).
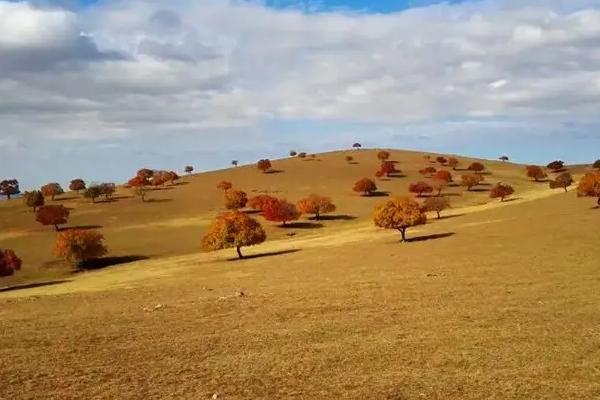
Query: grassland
point(495, 301)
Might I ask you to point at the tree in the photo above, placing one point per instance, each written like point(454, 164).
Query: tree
point(349, 159)
point(317, 205)
point(234, 163)
point(77, 185)
point(280, 211)
point(365, 186)
point(501, 191)
point(563, 180)
point(477, 167)
point(79, 245)
point(189, 169)
point(93, 192)
point(438, 185)
point(503, 158)
point(383, 155)
point(52, 215)
point(419, 188)
point(107, 190)
point(387, 168)
point(293, 153)
point(441, 160)
point(224, 185)
point(596, 164)
point(427, 171)
point(443, 175)
point(159, 178)
point(172, 177)
point(9, 187)
point(233, 229)
point(437, 204)
point(51, 190)
point(399, 213)
point(302, 155)
point(556, 166)
point(235, 199)
point(535, 172)
point(34, 199)
point(589, 186)
point(259, 202)
point(357, 146)
point(453, 162)
point(264, 165)
point(9, 262)
point(471, 180)
point(145, 173)
point(139, 185)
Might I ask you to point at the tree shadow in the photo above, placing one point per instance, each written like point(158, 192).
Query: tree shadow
point(158, 201)
point(542, 181)
point(302, 225)
point(479, 190)
point(378, 194)
point(449, 216)
point(484, 184)
point(251, 211)
point(268, 254)
point(66, 198)
point(181, 183)
point(274, 171)
point(100, 263)
point(451, 194)
point(32, 285)
point(430, 237)
point(81, 227)
point(342, 217)
point(397, 175)
point(163, 188)
point(354, 163)
point(117, 198)
point(511, 199)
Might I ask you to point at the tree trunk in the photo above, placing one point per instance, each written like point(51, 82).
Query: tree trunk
point(502, 199)
point(8, 196)
point(598, 201)
point(403, 233)
point(438, 214)
point(317, 216)
point(239, 252)
point(565, 189)
point(56, 227)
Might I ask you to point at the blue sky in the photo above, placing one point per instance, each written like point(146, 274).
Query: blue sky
point(101, 91)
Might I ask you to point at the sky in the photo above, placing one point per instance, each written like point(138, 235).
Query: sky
point(98, 89)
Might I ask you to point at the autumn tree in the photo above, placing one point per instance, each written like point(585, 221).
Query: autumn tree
point(79, 245)
point(33, 199)
point(438, 185)
point(387, 168)
point(501, 191)
point(399, 213)
point(563, 180)
point(556, 166)
point(52, 215)
point(471, 180)
point(139, 185)
point(503, 158)
point(293, 153)
point(443, 175)
point(535, 172)
point(436, 204)
point(9, 187)
point(589, 186)
point(383, 155)
point(93, 192)
point(77, 185)
point(172, 176)
point(280, 211)
point(316, 205)
point(596, 164)
point(264, 165)
point(453, 163)
point(224, 185)
point(258, 202)
point(419, 188)
point(233, 229)
point(357, 146)
point(189, 169)
point(235, 199)
point(51, 190)
point(365, 186)
point(9, 262)
point(302, 155)
point(349, 159)
point(477, 167)
point(145, 173)
point(427, 171)
point(441, 160)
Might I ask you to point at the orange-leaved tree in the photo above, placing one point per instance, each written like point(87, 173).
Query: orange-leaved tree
point(501, 190)
point(383, 155)
point(438, 185)
point(52, 215)
point(399, 213)
point(453, 162)
point(427, 171)
point(419, 188)
point(443, 175)
point(264, 165)
point(77, 185)
point(535, 172)
point(589, 186)
point(280, 211)
point(441, 160)
point(563, 180)
point(9, 262)
point(233, 229)
point(224, 185)
point(51, 190)
point(316, 205)
point(235, 199)
point(365, 186)
point(387, 168)
point(139, 185)
point(258, 202)
point(436, 204)
point(471, 180)
point(79, 245)
point(476, 167)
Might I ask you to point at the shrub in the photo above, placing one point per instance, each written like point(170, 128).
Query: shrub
point(224, 185)
point(503, 158)
point(51, 190)
point(79, 245)
point(235, 199)
point(189, 169)
point(33, 199)
point(441, 160)
point(233, 229)
point(293, 153)
point(453, 162)
point(77, 185)
point(259, 202)
point(427, 171)
point(596, 164)
point(477, 167)
point(383, 155)
point(471, 180)
point(316, 205)
point(9, 262)
point(9, 187)
point(419, 188)
point(437, 204)
point(535, 172)
point(438, 185)
point(589, 186)
point(443, 175)
point(280, 211)
point(357, 146)
point(52, 215)
point(264, 165)
point(501, 190)
point(556, 166)
point(365, 186)
point(563, 181)
point(399, 213)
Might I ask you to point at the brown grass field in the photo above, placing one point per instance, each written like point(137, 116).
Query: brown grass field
point(494, 301)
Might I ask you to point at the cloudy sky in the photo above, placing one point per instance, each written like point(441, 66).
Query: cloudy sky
point(98, 89)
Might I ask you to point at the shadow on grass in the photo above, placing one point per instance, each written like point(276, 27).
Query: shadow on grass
point(302, 225)
point(82, 227)
point(251, 211)
point(430, 237)
point(479, 190)
point(354, 163)
point(66, 198)
point(449, 216)
point(511, 199)
point(32, 285)
point(274, 171)
point(181, 183)
point(342, 217)
point(378, 194)
point(451, 194)
point(158, 201)
point(268, 254)
point(100, 263)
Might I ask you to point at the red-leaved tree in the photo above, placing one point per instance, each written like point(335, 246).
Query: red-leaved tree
point(233, 229)
point(9, 262)
point(280, 211)
point(52, 215)
point(365, 186)
point(419, 188)
point(52, 190)
point(501, 191)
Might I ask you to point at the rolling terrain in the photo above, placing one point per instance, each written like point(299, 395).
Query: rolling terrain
point(494, 300)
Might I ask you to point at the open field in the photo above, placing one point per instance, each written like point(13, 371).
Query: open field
point(494, 301)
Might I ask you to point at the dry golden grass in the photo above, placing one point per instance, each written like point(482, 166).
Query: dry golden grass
point(496, 301)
